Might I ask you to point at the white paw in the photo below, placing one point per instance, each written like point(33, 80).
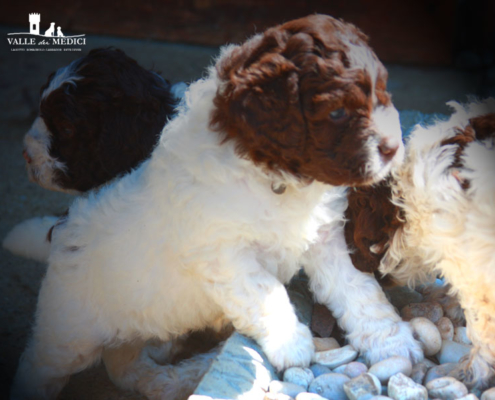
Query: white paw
point(395, 339)
point(289, 348)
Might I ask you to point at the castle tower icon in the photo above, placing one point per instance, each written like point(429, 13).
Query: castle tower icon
point(52, 31)
point(34, 24)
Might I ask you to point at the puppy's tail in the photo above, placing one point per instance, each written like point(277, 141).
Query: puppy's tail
point(29, 238)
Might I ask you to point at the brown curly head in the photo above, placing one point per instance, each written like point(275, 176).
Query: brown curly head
point(303, 97)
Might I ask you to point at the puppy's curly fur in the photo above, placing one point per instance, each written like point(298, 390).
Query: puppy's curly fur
point(437, 215)
point(99, 117)
point(240, 192)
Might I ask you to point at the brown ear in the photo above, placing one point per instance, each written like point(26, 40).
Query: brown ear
point(484, 126)
point(259, 104)
point(372, 220)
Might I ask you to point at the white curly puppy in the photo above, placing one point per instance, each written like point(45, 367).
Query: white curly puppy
point(436, 215)
point(246, 185)
point(446, 191)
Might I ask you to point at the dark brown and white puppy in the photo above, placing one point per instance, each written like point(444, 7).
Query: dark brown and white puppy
point(99, 117)
point(437, 215)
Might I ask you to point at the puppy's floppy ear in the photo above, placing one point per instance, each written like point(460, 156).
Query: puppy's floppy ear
point(484, 126)
point(258, 103)
point(266, 89)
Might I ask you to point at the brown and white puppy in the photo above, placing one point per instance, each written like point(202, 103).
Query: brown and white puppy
point(437, 215)
point(247, 183)
point(99, 118)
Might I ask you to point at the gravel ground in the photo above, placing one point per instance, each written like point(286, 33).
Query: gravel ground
point(21, 76)
point(339, 374)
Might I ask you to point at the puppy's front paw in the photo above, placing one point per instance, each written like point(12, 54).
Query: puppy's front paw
point(289, 347)
point(384, 342)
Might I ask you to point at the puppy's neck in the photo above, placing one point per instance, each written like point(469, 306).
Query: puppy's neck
point(189, 143)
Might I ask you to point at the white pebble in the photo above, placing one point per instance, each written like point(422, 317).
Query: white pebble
point(299, 376)
point(330, 386)
point(324, 344)
point(363, 387)
point(488, 394)
point(460, 335)
point(354, 369)
point(446, 388)
point(336, 357)
point(427, 333)
point(446, 328)
point(380, 397)
point(290, 389)
point(383, 370)
point(309, 396)
point(452, 352)
point(400, 387)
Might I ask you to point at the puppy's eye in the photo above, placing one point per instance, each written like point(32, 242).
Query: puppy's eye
point(338, 115)
point(68, 131)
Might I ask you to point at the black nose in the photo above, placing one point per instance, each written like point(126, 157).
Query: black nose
point(387, 150)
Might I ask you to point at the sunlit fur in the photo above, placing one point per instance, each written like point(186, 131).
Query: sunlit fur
point(449, 211)
point(197, 237)
point(99, 117)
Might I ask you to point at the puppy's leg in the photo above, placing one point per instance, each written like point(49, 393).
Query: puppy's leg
point(45, 366)
point(472, 270)
point(133, 367)
point(259, 307)
point(477, 370)
point(358, 302)
point(65, 340)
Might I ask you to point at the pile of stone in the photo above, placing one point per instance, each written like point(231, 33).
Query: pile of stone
point(339, 374)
